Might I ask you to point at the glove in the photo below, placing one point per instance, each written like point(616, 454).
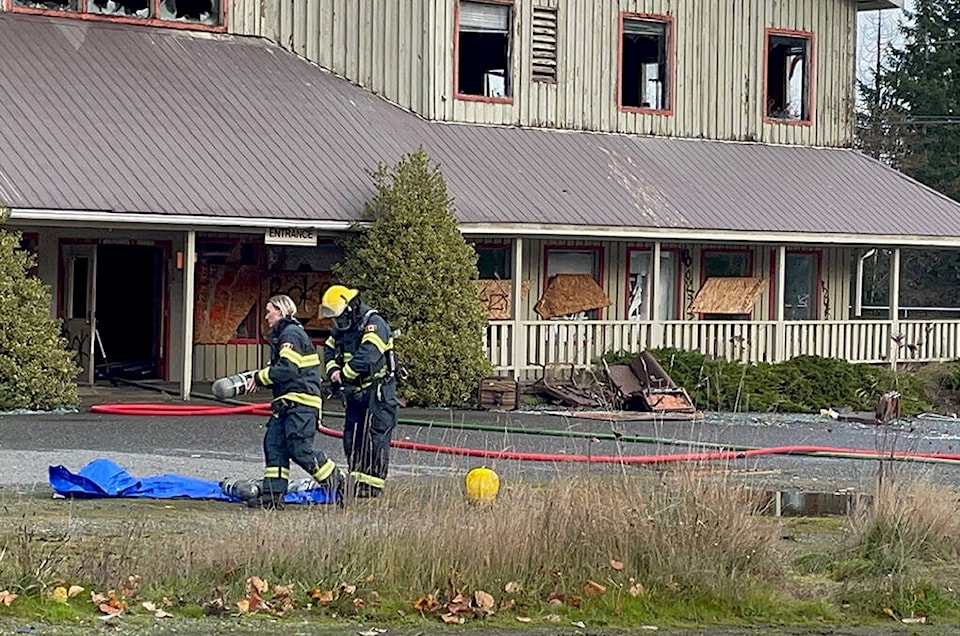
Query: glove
point(335, 377)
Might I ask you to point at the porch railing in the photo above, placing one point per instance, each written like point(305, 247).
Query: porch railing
point(581, 343)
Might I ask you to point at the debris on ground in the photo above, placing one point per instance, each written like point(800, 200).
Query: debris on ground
point(643, 385)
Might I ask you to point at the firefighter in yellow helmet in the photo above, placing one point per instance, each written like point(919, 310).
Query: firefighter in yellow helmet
point(359, 356)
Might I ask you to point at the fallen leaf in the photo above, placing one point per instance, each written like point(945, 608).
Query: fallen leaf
point(573, 600)
point(616, 565)
point(358, 603)
point(348, 589)
point(452, 619)
point(555, 596)
point(321, 596)
point(244, 606)
point(552, 618)
point(523, 619)
point(425, 603)
point(555, 602)
point(511, 587)
point(112, 610)
point(162, 614)
point(592, 589)
point(149, 606)
point(7, 597)
point(483, 600)
point(96, 598)
point(636, 589)
point(579, 625)
point(649, 628)
point(914, 620)
point(73, 591)
point(59, 594)
point(507, 603)
point(257, 584)
point(889, 612)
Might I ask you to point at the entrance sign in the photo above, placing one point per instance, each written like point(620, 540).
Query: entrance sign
point(290, 236)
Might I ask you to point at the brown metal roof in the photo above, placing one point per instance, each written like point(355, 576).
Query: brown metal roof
point(132, 119)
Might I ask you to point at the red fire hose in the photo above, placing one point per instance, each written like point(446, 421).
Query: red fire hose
point(816, 451)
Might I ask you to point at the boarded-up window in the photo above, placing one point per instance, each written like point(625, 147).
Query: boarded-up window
point(724, 298)
point(544, 55)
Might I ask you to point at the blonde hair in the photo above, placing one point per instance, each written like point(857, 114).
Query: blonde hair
point(285, 304)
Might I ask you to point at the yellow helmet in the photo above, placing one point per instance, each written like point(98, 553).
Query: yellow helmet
point(482, 485)
point(335, 300)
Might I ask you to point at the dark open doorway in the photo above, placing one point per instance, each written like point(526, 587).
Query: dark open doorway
point(130, 292)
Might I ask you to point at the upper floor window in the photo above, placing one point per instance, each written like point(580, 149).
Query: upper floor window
point(789, 76)
point(483, 51)
point(196, 12)
point(645, 62)
point(723, 263)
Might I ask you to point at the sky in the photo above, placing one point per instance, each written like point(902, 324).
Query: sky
point(870, 25)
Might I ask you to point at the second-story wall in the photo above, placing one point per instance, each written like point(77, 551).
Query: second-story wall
point(405, 50)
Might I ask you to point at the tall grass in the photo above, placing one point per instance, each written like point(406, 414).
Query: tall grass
point(683, 535)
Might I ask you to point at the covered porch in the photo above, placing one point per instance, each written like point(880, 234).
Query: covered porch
point(842, 326)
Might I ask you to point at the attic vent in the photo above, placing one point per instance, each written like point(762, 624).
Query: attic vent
point(544, 60)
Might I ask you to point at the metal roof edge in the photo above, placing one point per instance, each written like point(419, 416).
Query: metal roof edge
point(706, 235)
point(105, 217)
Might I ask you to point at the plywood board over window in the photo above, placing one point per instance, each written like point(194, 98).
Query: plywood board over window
point(497, 297)
point(570, 294)
point(728, 295)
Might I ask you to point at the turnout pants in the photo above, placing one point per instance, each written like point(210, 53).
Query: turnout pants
point(289, 436)
point(371, 416)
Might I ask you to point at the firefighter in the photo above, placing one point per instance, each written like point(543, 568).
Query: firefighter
point(359, 356)
point(294, 376)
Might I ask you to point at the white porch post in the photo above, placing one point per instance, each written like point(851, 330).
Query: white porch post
point(189, 270)
point(519, 336)
point(780, 351)
point(655, 337)
point(894, 308)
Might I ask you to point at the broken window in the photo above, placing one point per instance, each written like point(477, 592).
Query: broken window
point(56, 5)
point(203, 11)
point(645, 64)
point(483, 50)
point(641, 277)
point(788, 77)
point(493, 261)
point(725, 264)
point(800, 286)
point(129, 8)
point(198, 11)
point(543, 63)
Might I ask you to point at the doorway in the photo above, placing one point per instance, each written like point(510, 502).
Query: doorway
point(113, 306)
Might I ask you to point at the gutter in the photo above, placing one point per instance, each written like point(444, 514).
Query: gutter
point(521, 230)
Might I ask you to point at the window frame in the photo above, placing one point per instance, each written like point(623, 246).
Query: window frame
point(811, 39)
point(816, 296)
point(511, 79)
point(81, 13)
point(671, 53)
point(678, 282)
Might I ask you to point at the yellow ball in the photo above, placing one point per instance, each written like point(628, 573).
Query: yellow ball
point(482, 485)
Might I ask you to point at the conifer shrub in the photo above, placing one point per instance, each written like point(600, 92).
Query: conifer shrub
point(36, 370)
point(412, 264)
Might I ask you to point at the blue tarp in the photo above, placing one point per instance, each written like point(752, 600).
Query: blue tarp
point(103, 478)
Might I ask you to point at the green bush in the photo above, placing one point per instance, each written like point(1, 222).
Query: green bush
point(804, 384)
point(36, 370)
point(412, 264)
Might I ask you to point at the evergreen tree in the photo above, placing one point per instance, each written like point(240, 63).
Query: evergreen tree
point(919, 94)
point(412, 264)
point(36, 370)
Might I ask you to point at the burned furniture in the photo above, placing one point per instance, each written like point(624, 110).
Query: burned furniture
point(643, 385)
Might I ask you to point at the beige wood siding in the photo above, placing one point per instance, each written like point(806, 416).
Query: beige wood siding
point(404, 50)
point(718, 80)
point(381, 45)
